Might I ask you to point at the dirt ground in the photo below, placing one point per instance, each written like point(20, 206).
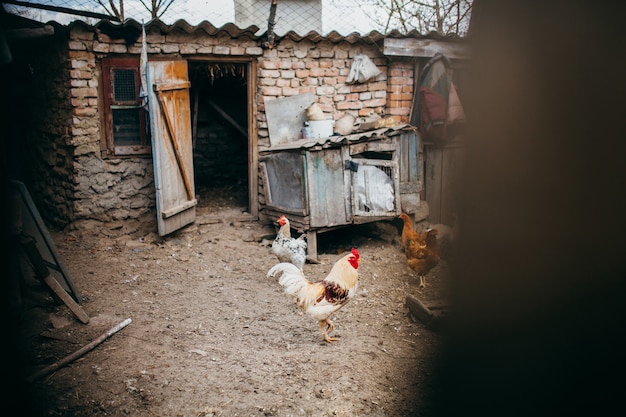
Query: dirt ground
point(212, 335)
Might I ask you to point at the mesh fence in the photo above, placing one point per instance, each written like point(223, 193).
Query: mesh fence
point(300, 16)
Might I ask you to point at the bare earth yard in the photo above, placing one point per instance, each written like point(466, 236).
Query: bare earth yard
point(212, 335)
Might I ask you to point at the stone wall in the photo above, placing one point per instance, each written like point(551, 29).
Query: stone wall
point(38, 125)
point(82, 184)
point(106, 188)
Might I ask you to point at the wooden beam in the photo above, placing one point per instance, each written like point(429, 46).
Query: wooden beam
point(424, 48)
point(29, 33)
point(67, 10)
point(229, 119)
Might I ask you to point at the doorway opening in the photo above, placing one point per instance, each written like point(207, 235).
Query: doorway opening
point(219, 117)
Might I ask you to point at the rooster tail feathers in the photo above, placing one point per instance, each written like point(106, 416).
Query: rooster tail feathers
point(294, 283)
point(290, 278)
point(283, 268)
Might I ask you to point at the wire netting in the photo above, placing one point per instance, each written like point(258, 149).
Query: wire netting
point(300, 16)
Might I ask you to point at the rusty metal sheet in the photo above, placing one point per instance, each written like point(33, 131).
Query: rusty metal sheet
point(339, 140)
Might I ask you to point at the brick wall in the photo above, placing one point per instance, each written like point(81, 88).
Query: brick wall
point(400, 90)
point(322, 68)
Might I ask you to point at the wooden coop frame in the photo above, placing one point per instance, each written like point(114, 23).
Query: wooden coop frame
point(328, 183)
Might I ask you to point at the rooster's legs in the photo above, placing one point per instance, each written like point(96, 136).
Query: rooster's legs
point(423, 281)
point(327, 327)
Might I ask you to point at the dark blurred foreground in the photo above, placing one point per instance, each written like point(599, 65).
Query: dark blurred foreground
point(539, 291)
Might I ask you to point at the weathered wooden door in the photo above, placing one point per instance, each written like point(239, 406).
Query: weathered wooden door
point(172, 150)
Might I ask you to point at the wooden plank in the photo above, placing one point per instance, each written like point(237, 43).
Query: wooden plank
point(194, 126)
point(404, 148)
point(175, 144)
point(311, 242)
point(415, 161)
point(418, 309)
point(433, 185)
point(184, 85)
point(29, 33)
point(371, 219)
point(178, 209)
point(42, 273)
point(298, 222)
point(253, 149)
point(325, 182)
point(228, 118)
point(67, 300)
point(411, 173)
point(424, 48)
point(32, 225)
point(451, 171)
point(347, 180)
point(395, 159)
point(383, 145)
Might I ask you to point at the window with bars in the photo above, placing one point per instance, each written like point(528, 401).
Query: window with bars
point(126, 124)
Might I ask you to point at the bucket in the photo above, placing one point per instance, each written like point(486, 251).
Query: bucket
point(321, 128)
point(345, 125)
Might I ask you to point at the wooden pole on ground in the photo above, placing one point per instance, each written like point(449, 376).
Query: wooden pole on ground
point(80, 352)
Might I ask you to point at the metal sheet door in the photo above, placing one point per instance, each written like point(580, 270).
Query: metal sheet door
point(172, 149)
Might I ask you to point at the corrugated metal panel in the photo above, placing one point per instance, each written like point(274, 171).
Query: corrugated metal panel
point(251, 32)
point(338, 140)
point(369, 38)
point(130, 27)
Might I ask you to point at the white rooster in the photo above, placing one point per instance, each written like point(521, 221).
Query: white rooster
point(320, 299)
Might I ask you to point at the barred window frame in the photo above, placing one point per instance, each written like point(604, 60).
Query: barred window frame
point(126, 128)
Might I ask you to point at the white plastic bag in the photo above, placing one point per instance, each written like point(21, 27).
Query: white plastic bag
point(374, 189)
point(362, 69)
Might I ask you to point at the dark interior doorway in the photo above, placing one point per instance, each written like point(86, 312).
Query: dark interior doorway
point(219, 117)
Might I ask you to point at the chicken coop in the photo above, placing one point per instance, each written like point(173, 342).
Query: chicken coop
point(327, 183)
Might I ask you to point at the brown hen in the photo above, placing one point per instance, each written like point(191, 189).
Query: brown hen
point(421, 249)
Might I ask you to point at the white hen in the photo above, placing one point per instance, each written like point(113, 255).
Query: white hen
point(288, 249)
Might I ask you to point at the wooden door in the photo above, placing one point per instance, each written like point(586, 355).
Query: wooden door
point(326, 188)
point(172, 150)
